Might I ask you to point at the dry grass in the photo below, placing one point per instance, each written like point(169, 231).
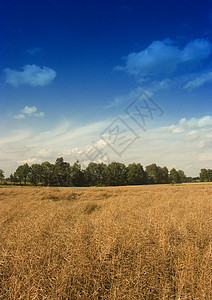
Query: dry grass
point(147, 242)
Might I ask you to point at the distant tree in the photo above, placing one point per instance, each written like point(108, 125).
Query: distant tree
point(209, 175)
point(35, 175)
point(153, 174)
point(174, 176)
point(135, 174)
point(156, 174)
point(164, 178)
point(22, 173)
point(204, 175)
point(194, 179)
point(13, 178)
point(90, 174)
point(182, 176)
point(189, 179)
point(76, 174)
point(1, 175)
point(116, 174)
point(47, 174)
point(95, 174)
point(62, 172)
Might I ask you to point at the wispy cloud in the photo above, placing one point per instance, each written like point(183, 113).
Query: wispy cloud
point(193, 124)
point(131, 96)
point(32, 75)
point(164, 57)
point(15, 136)
point(33, 50)
point(184, 144)
point(93, 152)
point(48, 153)
point(29, 161)
point(199, 81)
point(205, 157)
point(29, 111)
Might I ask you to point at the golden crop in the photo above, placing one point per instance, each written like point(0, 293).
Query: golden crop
point(141, 242)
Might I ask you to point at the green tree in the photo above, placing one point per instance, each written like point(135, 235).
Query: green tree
point(209, 175)
point(174, 176)
point(204, 175)
point(189, 179)
point(135, 174)
point(116, 174)
point(153, 174)
point(76, 175)
point(22, 173)
point(95, 174)
point(47, 174)
point(62, 172)
point(156, 174)
point(1, 175)
point(182, 176)
point(164, 178)
point(13, 178)
point(35, 175)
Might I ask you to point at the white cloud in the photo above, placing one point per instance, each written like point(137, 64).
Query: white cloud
point(29, 111)
point(48, 153)
point(19, 116)
point(33, 50)
point(114, 103)
point(196, 50)
point(163, 57)
point(204, 122)
point(11, 148)
point(194, 123)
point(93, 152)
point(29, 161)
point(176, 129)
point(131, 96)
point(205, 157)
point(199, 81)
point(184, 144)
point(15, 136)
point(32, 75)
point(66, 133)
point(39, 115)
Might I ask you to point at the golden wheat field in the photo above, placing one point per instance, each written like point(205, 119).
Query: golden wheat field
point(141, 242)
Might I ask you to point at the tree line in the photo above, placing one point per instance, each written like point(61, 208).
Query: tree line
point(206, 175)
point(61, 173)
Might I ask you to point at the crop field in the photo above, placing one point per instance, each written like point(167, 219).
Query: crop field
point(136, 242)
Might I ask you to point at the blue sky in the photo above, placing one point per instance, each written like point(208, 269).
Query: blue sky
point(68, 69)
